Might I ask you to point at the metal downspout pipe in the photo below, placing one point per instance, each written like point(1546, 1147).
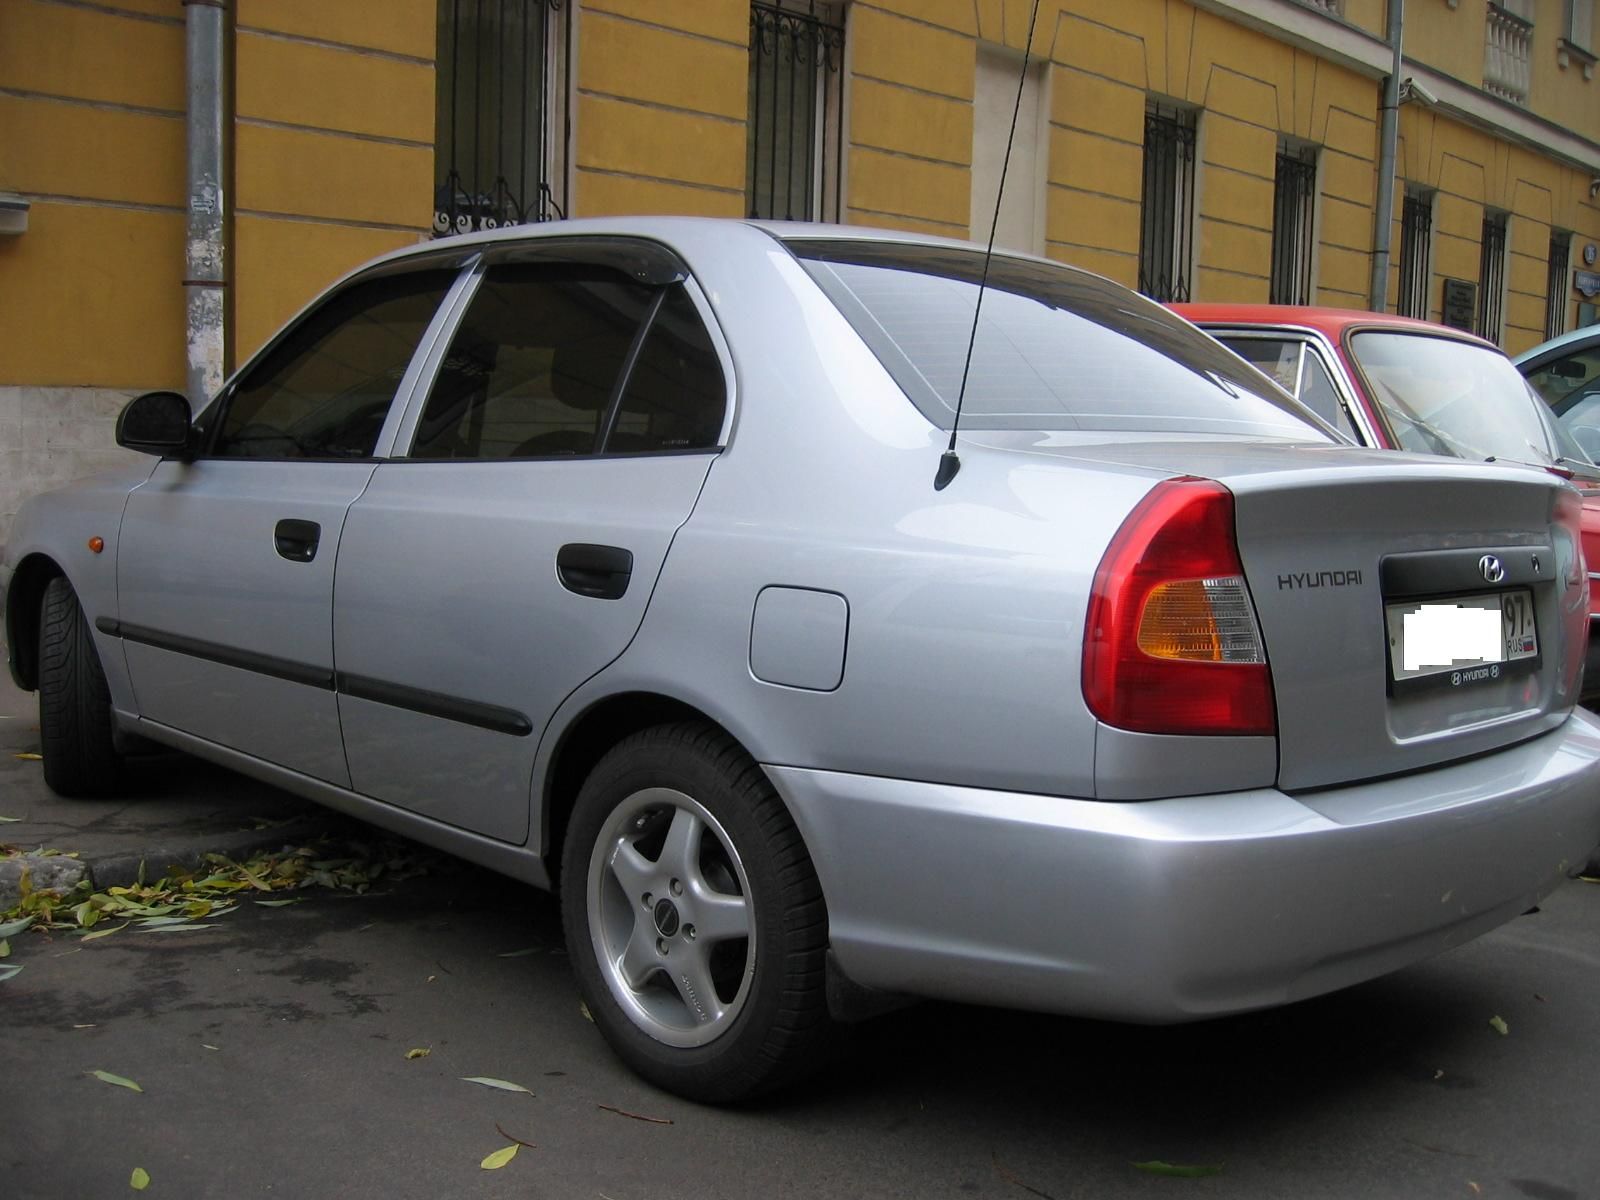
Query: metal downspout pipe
point(205, 276)
point(1389, 134)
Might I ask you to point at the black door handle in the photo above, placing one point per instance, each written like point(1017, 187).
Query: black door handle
point(297, 540)
point(598, 571)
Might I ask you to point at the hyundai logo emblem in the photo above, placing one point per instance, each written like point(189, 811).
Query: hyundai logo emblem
point(1493, 569)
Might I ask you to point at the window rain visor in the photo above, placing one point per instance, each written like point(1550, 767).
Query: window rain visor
point(1056, 348)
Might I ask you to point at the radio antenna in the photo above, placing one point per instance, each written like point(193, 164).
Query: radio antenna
point(950, 461)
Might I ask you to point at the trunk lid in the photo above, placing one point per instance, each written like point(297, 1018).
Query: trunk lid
point(1338, 544)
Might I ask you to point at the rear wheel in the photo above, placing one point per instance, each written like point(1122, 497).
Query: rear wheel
point(694, 919)
point(75, 725)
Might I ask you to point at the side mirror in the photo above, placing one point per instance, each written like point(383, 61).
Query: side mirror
point(156, 423)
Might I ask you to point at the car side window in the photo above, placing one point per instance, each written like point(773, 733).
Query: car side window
point(537, 365)
point(1276, 358)
point(1319, 393)
point(324, 390)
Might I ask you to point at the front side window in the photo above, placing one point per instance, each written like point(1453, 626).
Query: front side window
point(555, 361)
point(794, 134)
point(1056, 349)
point(324, 389)
point(1294, 366)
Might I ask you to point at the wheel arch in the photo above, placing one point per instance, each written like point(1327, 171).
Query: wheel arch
point(586, 740)
point(23, 598)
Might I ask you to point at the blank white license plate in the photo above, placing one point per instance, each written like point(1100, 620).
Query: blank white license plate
point(1468, 634)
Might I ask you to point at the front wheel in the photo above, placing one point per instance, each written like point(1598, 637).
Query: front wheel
point(75, 725)
point(694, 919)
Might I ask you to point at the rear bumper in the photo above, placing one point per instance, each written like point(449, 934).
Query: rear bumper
point(1171, 910)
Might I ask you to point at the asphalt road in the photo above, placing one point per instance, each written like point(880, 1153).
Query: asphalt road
point(272, 1053)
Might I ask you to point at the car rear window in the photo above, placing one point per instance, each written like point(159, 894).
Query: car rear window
point(1055, 348)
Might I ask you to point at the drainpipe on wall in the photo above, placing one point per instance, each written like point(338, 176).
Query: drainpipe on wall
point(205, 277)
point(1383, 224)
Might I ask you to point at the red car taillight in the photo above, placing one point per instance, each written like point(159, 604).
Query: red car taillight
point(1567, 513)
point(1172, 644)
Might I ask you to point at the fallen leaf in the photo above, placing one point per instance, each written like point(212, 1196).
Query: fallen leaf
point(12, 928)
point(100, 933)
point(1157, 1167)
point(108, 1077)
point(209, 1046)
point(86, 1027)
point(520, 953)
point(29, 756)
point(584, 1009)
point(184, 928)
point(636, 1116)
point(1540, 998)
point(419, 1052)
point(5, 948)
point(500, 1157)
point(9, 820)
point(495, 1083)
point(279, 903)
point(1438, 1073)
point(1499, 1026)
point(501, 1130)
point(139, 1180)
point(7, 970)
point(1476, 1190)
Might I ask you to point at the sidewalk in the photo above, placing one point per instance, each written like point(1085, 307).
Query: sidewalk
point(172, 810)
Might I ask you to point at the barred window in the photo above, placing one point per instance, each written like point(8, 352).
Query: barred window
point(1294, 198)
point(1416, 260)
point(794, 138)
point(499, 149)
point(1555, 302)
point(1492, 276)
point(1166, 230)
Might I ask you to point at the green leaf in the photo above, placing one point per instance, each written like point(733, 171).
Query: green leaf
point(139, 1180)
point(495, 1083)
point(209, 1046)
point(7, 970)
point(5, 948)
point(418, 1052)
point(108, 1077)
point(184, 928)
point(520, 953)
point(500, 1157)
point(1157, 1167)
point(100, 933)
point(1499, 1026)
point(9, 820)
point(12, 928)
point(278, 903)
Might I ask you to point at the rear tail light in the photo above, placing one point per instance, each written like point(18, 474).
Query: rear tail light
point(1567, 515)
point(1172, 644)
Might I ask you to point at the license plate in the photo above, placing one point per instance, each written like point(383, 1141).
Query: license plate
point(1462, 639)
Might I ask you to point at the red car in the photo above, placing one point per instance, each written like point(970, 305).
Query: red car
point(1404, 384)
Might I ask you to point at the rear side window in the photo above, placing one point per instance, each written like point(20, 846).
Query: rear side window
point(1297, 369)
point(1055, 348)
point(324, 390)
point(554, 361)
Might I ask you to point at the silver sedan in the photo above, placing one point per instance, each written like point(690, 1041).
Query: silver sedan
point(626, 557)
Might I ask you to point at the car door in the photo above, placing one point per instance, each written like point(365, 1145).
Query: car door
point(509, 555)
point(225, 564)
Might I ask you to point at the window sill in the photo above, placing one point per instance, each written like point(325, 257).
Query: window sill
point(1568, 53)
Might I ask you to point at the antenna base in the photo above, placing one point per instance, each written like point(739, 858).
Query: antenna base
point(949, 464)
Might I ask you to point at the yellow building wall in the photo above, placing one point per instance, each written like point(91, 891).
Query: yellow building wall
point(333, 148)
point(660, 103)
point(94, 139)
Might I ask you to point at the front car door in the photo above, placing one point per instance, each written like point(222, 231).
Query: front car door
point(225, 565)
point(509, 553)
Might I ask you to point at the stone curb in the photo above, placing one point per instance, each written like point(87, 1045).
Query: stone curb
point(121, 869)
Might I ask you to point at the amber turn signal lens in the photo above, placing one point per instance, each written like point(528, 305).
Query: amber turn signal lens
point(97, 544)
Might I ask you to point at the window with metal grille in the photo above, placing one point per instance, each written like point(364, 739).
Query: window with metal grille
point(1555, 301)
point(1166, 230)
point(1416, 266)
point(499, 148)
point(1492, 276)
point(1294, 198)
point(795, 134)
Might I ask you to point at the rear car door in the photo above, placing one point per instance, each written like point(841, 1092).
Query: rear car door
point(509, 554)
point(225, 566)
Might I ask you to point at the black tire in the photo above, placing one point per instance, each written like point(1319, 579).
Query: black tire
point(769, 1024)
point(75, 723)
